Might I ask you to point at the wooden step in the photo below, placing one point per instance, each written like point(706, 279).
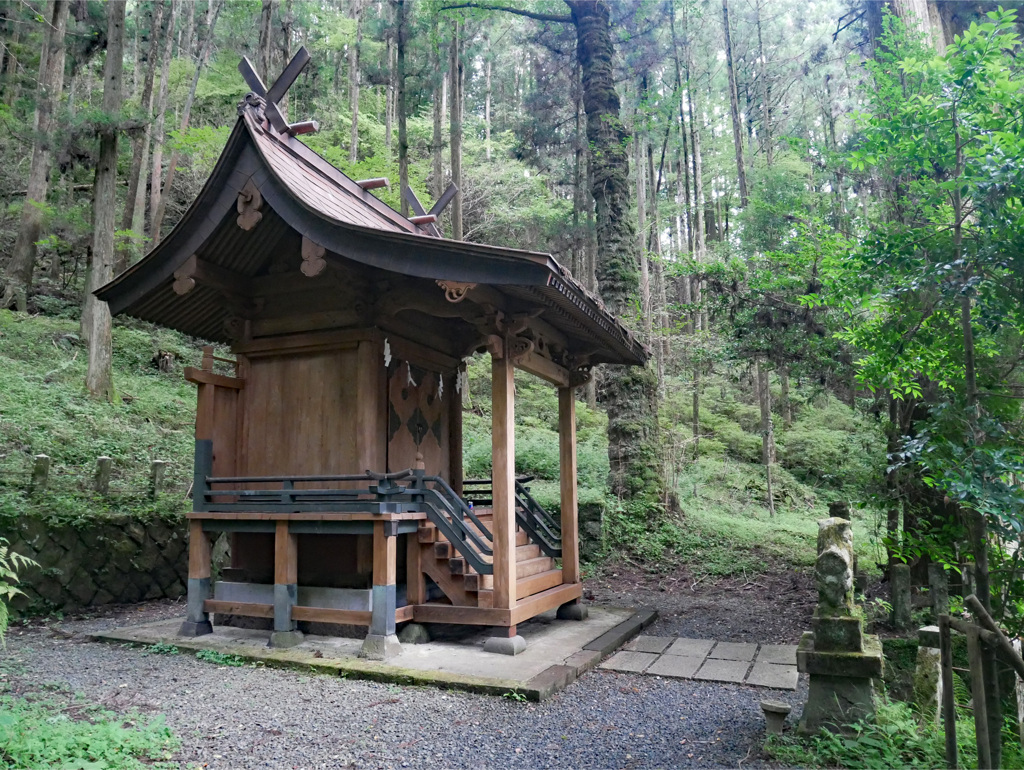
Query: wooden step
point(485, 598)
point(443, 550)
point(476, 582)
point(427, 534)
point(538, 582)
point(533, 566)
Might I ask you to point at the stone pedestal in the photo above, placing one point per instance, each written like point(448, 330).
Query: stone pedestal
point(843, 684)
point(844, 663)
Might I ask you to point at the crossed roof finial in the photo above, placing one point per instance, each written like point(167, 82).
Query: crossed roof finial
point(275, 93)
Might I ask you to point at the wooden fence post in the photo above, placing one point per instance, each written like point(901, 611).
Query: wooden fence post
point(101, 482)
point(156, 477)
point(40, 473)
point(948, 702)
point(979, 698)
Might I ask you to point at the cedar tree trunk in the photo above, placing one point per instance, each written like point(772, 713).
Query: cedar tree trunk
point(629, 394)
point(99, 378)
point(51, 83)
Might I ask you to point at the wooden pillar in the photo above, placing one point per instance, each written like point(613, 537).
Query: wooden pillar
point(567, 480)
point(455, 434)
point(503, 460)
point(381, 642)
point(286, 579)
point(197, 621)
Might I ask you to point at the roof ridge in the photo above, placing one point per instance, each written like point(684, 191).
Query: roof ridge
point(254, 121)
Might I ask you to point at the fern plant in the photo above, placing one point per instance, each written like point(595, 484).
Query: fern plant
point(10, 563)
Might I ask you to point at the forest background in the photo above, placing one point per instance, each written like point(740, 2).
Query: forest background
point(810, 211)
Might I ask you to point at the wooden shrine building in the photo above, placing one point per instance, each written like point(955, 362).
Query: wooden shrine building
point(330, 448)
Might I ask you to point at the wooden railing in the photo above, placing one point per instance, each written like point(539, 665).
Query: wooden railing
point(543, 528)
point(376, 493)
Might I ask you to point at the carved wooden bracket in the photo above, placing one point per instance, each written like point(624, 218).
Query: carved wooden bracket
point(185, 276)
point(249, 204)
point(455, 291)
point(519, 347)
point(581, 375)
point(234, 327)
point(313, 262)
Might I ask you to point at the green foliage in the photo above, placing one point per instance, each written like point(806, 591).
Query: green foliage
point(45, 410)
point(896, 737)
point(43, 733)
point(161, 648)
point(10, 564)
point(220, 658)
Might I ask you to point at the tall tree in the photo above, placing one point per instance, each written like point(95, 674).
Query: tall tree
point(135, 200)
point(51, 84)
point(630, 395)
point(353, 81)
point(455, 102)
point(734, 105)
point(266, 18)
point(186, 114)
point(156, 170)
point(99, 378)
point(401, 42)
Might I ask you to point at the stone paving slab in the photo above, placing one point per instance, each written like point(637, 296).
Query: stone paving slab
point(766, 665)
point(717, 670)
point(557, 652)
point(691, 648)
point(734, 651)
point(655, 644)
point(630, 661)
point(675, 666)
point(782, 654)
point(774, 676)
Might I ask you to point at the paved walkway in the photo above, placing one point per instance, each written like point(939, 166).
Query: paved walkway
point(762, 665)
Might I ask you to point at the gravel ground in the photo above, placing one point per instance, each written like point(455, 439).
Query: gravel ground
point(235, 718)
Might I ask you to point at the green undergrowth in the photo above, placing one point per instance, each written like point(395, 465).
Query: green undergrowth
point(44, 409)
point(47, 732)
point(896, 737)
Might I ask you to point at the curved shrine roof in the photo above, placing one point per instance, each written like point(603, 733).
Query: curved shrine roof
point(303, 195)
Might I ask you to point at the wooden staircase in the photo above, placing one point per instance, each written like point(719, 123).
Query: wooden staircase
point(467, 588)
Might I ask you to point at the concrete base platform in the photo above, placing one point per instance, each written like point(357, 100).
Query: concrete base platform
point(556, 653)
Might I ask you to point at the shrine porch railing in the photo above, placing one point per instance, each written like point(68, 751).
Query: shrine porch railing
point(379, 493)
point(544, 529)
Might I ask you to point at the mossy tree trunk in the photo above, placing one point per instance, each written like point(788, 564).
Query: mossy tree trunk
point(51, 84)
point(629, 395)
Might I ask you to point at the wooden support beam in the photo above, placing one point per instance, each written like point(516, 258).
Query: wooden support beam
point(196, 270)
point(473, 616)
point(245, 609)
point(503, 459)
point(374, 184)
point(327, 615)
point(199, 552)
point(286, 576)
point(567, 484)
point(203, 377)
point(415, 585)
point(545, 368)
point(385, 552)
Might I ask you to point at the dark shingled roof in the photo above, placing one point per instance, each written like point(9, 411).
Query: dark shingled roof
point(303, 193)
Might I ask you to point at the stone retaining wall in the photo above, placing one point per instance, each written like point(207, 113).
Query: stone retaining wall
point(115, 560)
